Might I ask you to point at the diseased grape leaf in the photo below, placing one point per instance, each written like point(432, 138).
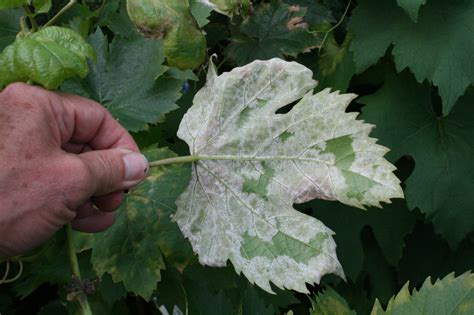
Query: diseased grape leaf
point(275, 29)
point(437, 56)
point(389, 225)
point(316, 13)
point(256, 164)
point(9, 26)
point(442, 182)
point(411, 7)
point(447, 296)
point(132, 249)
point(47, 57)
point(184, 43)
point(329, 302)
point(335, 65)
point(134, 91)
point(229, 7)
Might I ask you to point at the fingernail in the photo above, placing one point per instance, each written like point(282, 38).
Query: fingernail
point(136, 166)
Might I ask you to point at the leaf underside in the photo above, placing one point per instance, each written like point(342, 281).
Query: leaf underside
point(238, 206)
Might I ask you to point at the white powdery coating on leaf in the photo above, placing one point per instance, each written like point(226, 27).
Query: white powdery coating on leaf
point(239, 206)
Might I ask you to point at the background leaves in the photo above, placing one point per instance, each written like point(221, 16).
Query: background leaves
point(411, 64)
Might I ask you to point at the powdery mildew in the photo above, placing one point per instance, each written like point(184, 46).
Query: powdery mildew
point(316, 150)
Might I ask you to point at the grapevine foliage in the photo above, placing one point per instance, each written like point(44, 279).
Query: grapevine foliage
point(240, 205)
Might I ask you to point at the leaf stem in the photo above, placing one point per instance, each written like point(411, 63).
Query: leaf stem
point(176, 160)
point(31, 18)
point(86, 309)
point(60, 13)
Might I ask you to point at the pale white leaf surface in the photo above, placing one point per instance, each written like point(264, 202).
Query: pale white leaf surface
point(255, 163)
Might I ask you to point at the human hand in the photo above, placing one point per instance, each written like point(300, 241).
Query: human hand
point(60, 155)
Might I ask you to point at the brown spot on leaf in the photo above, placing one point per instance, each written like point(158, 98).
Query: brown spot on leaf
point(296, 22)
point(293, 8)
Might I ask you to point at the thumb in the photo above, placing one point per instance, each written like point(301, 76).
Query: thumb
point(113, 170)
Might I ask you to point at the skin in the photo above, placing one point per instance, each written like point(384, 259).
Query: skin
point(63, 158)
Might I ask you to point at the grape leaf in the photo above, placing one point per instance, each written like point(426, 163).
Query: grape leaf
point(7, 4)
point(389, 225)
point(335, 65)
point(228, 7)
point(134, 91)
point(316, 13)
point(275, 29)
point(200, 12)
point(9, 26)
point(439, 57)
point(447, 296)
point(329, 302)
point(184, 43)
point(256, 164)
point(47, 57)
point(41, 6)
point(132, 249)
point(411, 7)
point(442, 147)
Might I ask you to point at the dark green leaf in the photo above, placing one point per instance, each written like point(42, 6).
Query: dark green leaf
point(132, 249)
point(442, 147)
point(389, 226)
point(275, 29)
point(437, 56)
point(9, 26)
point(128, 80)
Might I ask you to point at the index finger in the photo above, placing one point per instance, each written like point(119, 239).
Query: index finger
point(90, 123)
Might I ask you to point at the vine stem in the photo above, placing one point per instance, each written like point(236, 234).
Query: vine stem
point(31, 17)
point(86, 309)
point(334, 27)
point(60, 13)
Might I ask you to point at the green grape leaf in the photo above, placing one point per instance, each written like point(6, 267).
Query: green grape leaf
point(389, 225)
point(255, 164)
point(200, 12)
point(9, 26)
point(275, 29)
point(447, 296)
point(335, 65)
point(184, 43)
point(414, 43)
point(132, 249)
point(411, 7)
point(134, 91)
point(41, 6)
point(442, 147)
point(7, 4)
point(58, 53)
point(229, 7)
point(329, 302)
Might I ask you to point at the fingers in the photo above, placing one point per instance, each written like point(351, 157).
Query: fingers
point(99, 173)
point(109, 202)
point(93, 125)
point(76, 119)
point(90, 220)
